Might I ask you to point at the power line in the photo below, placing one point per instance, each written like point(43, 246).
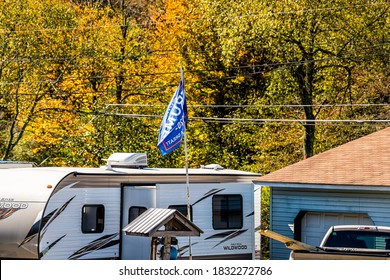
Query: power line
point(158, 52)
point(384, 42)
point(224, 119)
point(256, 120)
point(302, 121)
point(236, 120)
point(252, 106)
point(228, 106)
point(264, 65)
point(185, 20)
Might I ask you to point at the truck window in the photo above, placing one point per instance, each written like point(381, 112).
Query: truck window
point(359, 239)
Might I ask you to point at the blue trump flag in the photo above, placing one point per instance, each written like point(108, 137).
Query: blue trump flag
point(174, 122)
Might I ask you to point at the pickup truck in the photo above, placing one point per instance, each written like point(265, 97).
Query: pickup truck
point(343, 242)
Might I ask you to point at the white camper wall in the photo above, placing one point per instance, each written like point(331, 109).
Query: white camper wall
point(222, 243)
point(23, 196)
point(63, 237)
point(257, 211)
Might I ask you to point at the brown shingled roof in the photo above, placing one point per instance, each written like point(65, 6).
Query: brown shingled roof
point(362, 162)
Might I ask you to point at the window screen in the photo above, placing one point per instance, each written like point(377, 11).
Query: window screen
point(92, 220)
point(135, 211)
point(182, 209)
point(227, 212)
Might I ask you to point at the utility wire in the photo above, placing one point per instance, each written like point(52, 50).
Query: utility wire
point(384, 43)
point(224, 119)
point(264, 65)
point(255, 120)
point(184, 20)
point(252, 106)
point(26, 59)
point(228, 106)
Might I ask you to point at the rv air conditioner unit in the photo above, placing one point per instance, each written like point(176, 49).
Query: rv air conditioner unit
point(212, 166)
point(127, 160)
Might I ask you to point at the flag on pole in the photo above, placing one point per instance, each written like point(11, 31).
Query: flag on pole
point(174, 122)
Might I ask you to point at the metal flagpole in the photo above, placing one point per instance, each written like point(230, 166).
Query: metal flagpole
point(187, 176)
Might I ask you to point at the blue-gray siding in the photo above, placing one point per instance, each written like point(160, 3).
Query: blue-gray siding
point(287, 202)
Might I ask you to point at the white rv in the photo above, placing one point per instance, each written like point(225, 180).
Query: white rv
point(79, 213)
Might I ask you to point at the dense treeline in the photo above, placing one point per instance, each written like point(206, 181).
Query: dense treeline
point(82, 79)
point(267, 84)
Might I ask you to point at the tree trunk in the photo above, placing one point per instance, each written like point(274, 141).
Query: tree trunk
point(303, 75)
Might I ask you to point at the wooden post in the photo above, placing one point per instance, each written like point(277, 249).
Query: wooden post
point(167, 242)
point(153, 247)
point(167, 248)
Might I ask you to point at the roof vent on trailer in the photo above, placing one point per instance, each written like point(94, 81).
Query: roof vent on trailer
point(16, 164)
point(212, 166)
point(127, 160)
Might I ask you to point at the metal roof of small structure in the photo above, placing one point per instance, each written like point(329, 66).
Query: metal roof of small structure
point(151, 223)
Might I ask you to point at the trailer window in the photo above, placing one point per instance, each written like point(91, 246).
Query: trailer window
point(135, 211)
point(227, 212)
point(92, 220)
point(182, 209)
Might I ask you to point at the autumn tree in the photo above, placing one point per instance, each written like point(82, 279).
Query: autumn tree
point(117, 70)
point(29, 74)
point(91, 56)
point(322, 45)
point(82, 79)
point(215, 78)
point(300, 53)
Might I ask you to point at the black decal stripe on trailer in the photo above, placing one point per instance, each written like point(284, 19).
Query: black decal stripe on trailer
point(110, 244)
point(7, 212)
point(44, 252)
point(208, 194)
point(54, 214)
point(45, 220)
point(27, 239)
point(49, 218)
point(32, 232)
point(250, 214)
point(184, 249)
point(94, 245)
point(221, 234)
point(66, 187)
point(231, 236)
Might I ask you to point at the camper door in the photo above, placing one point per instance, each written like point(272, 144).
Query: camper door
point(135, 201)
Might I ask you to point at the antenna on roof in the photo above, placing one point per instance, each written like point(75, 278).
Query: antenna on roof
point(127, 160)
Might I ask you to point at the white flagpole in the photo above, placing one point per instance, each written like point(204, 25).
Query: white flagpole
point(187, 176)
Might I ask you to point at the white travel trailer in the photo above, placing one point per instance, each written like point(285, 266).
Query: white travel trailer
point(79, 213)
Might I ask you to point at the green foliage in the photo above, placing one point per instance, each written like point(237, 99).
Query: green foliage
point(80, 80)
point(265, 219)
